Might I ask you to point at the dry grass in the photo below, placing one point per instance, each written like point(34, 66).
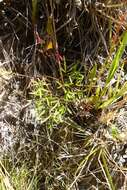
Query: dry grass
point(65, 94)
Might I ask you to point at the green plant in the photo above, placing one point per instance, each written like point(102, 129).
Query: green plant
point(52, 103)
point(49, 107)
point(114, 132)
point(108, 90)
point(16, 178)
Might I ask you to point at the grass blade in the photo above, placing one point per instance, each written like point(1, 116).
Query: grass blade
point(117, 58)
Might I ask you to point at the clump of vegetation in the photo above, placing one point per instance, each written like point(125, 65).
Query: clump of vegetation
point(71, 74)
point(17, 178)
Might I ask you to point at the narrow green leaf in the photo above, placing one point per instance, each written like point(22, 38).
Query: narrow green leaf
point(115, 62)
point(34, 11)
point(92, 73)
point(108, 176)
